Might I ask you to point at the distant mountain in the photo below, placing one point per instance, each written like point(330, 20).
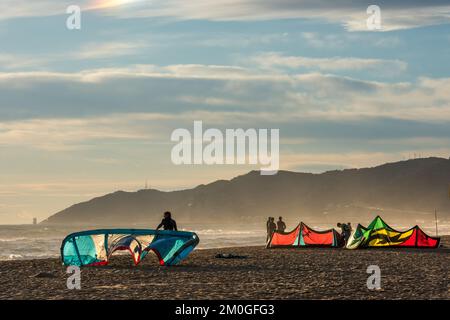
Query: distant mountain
point(406, 189)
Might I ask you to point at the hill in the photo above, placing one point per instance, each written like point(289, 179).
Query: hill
point(412, 188)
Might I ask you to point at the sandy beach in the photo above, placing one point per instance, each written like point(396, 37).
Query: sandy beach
point(264, 274)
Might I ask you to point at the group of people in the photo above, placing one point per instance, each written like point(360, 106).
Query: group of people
point(346, 228)
point(280, 226)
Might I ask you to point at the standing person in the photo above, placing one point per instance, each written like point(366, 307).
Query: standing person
point(346, 229)
point(350, 229)
point(281, 226)
point(343, 233)
point(339, 225)
point(348, 232)
point(167, 222)
point(271, 227)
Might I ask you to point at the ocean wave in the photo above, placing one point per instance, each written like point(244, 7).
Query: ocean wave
point(226, 232)
point(15, 256)
point(31, 256)
point(14, 239)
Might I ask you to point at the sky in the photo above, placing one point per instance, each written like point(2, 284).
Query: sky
point(91, 111)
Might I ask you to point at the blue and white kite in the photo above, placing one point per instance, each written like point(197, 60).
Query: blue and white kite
point(95, 247)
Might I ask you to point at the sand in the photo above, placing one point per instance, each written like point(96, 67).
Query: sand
point(264, 274)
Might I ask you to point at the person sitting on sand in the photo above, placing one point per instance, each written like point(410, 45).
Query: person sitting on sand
point(167, 222)
point(281, 226)
point(350, 229)
point(271, 227)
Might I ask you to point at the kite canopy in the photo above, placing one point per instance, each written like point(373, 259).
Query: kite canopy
point(304, 236)
point(380, 234)
point(95, 247)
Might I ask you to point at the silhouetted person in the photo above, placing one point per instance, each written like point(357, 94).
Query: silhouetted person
point(348, 232)
point(271, 227)
point(345, 232)
point(281, 226)
point(341, 226)
point(350, 229)
point(167, 222)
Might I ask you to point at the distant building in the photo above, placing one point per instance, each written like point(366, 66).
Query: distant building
point(34, 220)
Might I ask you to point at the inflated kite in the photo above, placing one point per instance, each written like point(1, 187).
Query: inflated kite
point(95, 247)
point(380, 235)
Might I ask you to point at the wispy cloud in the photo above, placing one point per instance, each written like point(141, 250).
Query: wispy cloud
point(320, 40)
point(164, 89)
point(354, 159)
point(107, 50)
point(396, 14)
point(105, 4)
point(69, 134)
point(271, 60)
point(88, 51)
point(13, 62)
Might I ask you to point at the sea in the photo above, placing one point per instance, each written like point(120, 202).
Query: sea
point(44, 241)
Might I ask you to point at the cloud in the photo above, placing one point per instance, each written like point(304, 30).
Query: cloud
point(318, 40)
point(241, 40)
point(106, 50)
point(355, 159)
point(396, 14)
point(271, 60)
point(104, 4)
point(12, 61)
point(188, 71)
point(212, 101)
point(24, 8)
point(88, 51)
point(321, 40)
point(355, 140)
point(176, 89)
point(69, 134)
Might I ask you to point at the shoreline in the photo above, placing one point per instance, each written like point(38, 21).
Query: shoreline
point(445, 243)
point(306, 273)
